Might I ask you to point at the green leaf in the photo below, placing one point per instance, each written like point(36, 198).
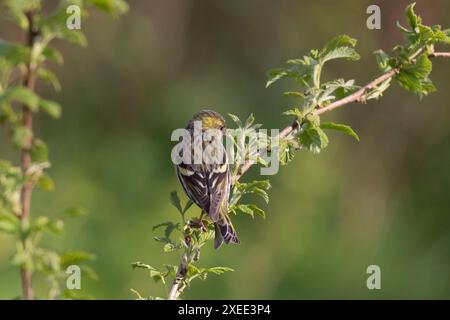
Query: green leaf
point(337, 42)
point(296, 112)
point(53, 54)
point(413, 20)
point(14, 53)
point(89, 272)
point(22, 257)
point(9, 223)
point(236, 120)
point(169, 247)
point(138, 295)
point(250, 120)
point(140, 265)
point(17, 8)
point(21, 136)
point(48, 76)
point(414, 76)
point(377, 91)
point(74, 36)
point(294, 94)
point(340, 127)
point(347, 53)
point(245, 209)
point(51, 107)
point(56, 227)
point(218, 270)
point(383, 60)
point(73, 295)
point(313, 138)
point(157, 276)
point(46, 183)
point(75, 257)
point(187, 206)
point(175, 201)
point(75, 212)
point(257, 210)
point(23, 95)
point(286, 150)
point(113, 7)
point(39, 151)
point(274, 75)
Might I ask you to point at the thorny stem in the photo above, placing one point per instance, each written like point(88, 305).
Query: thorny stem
point(27, 122)
point(358, 96)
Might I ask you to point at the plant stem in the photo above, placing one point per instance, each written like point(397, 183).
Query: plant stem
point(358, 96)
point(177, 285)
point(27, 188)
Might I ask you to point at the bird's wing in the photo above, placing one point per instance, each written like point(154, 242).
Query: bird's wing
point(193, 178)
point(218, 181)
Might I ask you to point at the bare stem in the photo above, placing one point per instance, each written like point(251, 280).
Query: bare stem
point(177, 285)
point(27, 188)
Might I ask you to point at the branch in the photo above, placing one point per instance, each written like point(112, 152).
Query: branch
point(358, 96)
point(177, 285)
point(27, 122)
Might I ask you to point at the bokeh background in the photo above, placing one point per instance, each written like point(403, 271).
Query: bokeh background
point(383, 201)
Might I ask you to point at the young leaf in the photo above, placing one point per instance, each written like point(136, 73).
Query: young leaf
point(39, 151)
point(113, 7)
point(53, 54)
point(51, 107)
point(23, 95)
point(340, 47)
point(75, 36)
point(236, 120)
point(48, 76)
point(9, 223)
point(21, 136)
point(218, 270)
point(75, 212)
point(245, 209)
point(14, 53)
point(382, 60)
point(257, 210)
point(313, 138)
point(414, 76)
point(338, 41)
point(46, 183)
point(75, 257)
point(413, 20)
point(340, 127)
point(175, 201)
point(140, 265)
point(341, 53)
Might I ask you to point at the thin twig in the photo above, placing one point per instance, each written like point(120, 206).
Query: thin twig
point(355, 97)
point(27, 122)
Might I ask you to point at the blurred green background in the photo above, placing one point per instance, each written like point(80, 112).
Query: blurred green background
point(381, 201)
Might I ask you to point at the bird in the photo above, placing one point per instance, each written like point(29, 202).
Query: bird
point(208, 184)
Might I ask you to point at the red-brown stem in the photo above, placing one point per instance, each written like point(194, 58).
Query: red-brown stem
point(27, 188)
point(358, 96)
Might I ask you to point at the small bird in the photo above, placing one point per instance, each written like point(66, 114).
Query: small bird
point(208, 185)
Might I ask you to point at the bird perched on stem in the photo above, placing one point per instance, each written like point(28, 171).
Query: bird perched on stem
point(207, 181)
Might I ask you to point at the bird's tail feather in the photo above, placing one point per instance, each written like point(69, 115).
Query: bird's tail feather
point(224, 232)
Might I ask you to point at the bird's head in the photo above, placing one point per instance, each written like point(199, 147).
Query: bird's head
point(210, 120)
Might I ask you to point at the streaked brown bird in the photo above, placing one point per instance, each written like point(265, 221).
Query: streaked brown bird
point(208, 184)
